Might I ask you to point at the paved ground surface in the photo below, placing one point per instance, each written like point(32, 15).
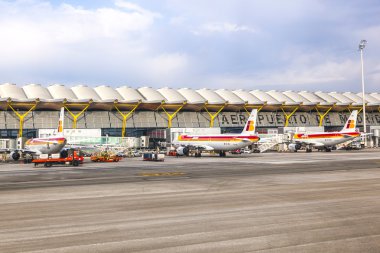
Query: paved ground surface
point(287, 202)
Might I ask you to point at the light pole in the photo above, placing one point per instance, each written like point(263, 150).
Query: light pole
point(361, 47)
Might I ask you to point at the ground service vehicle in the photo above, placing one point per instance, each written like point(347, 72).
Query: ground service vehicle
point(105, 157)
point(153, 157)
point(70, 157)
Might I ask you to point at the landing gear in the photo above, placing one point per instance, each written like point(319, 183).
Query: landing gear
point(222, 153)
point(309, 150)
point(327, 149)
point(198, 153)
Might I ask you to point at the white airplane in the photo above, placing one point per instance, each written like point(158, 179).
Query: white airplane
point(37, 146)
point(326, 140)
point(219, 142)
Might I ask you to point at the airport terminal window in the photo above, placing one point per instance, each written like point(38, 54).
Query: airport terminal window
point(29, 133)
point(3, 133)
point(231, 130)
point(113, 132)
point(130, 132)
point(13, 133)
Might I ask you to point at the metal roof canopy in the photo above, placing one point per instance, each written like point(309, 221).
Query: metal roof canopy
point(296, 97)
point(108, 94)
point(34, 91)
point(59, 91)
point(9, 90)
point(83, 93)
point(211, 96)
point(281, 97)
point(172, 96)
point(249, 98)
point(151, 95)
point(263, 96)
point(130, 95)
point(231, 97)
point(103, 97)
point(315, 99)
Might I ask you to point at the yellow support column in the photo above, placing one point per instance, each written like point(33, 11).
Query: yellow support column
point(322, 115)
point(76, 116)
point(21, 117)
point(171, 115)
point(355, 108)
point(125, 116)
point(213, 115)
point(287, 116)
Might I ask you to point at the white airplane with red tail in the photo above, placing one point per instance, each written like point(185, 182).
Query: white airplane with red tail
point(326, 140)
point(219, 142)
point(38, 146)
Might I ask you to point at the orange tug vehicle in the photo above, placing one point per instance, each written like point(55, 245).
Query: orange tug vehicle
point(105, 157)
point(66, 157)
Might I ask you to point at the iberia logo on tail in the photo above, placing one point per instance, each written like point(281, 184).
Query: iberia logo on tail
point(60, 122)
point(250, 126)
point(350, 124)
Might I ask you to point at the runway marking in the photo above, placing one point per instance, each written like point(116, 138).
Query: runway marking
point(162, 174)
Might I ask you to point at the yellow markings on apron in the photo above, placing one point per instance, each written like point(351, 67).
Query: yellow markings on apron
point(162, 174)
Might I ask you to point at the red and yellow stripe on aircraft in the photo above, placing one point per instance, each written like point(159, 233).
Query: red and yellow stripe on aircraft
point(236, 138)
point(325, 135)
point(38, 142)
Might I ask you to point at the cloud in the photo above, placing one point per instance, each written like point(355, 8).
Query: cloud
point(222, 27)
point(221, 44)
point(300, 75)
point(41, 42)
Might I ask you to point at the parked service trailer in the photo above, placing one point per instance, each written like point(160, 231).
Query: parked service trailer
point(153, 157)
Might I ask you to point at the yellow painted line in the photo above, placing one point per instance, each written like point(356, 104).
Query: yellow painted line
point(162, 174)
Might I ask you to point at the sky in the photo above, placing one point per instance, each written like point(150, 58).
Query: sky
point(232, 44)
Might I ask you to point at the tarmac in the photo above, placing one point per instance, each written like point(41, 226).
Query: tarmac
point(270, 202)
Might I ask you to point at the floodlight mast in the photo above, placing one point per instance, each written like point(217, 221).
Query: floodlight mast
point(361, 47)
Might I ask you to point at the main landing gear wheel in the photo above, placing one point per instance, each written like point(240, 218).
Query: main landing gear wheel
point(308, 150)
point(222, 154)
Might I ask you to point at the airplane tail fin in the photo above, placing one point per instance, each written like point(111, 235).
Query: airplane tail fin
point(351, 122)
point(60, 122)
point(250, 125)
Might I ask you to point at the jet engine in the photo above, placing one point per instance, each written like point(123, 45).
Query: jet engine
point(183, 151)
point(294, 147)
point(15, 155)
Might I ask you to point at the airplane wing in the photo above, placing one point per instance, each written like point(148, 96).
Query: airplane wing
point(244, 140)
point(347, 136)
point(201, 147)
point(26, 151)
point(314, 144)
point(5, 150)
point(15, 153)
point(10, 150)
point(365, 134)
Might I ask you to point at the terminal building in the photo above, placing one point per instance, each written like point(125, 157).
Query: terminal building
point(28, 111)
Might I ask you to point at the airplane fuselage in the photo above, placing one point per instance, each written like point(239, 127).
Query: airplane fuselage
point(324, 139)
point(221, 142)
point(46, 145)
